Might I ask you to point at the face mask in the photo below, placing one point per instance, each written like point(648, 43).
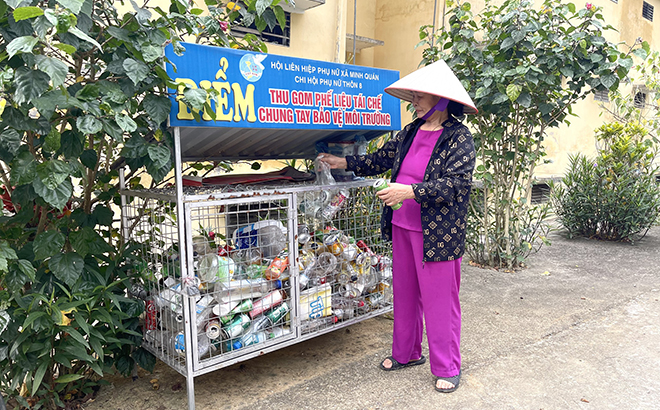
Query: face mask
point(439, 106)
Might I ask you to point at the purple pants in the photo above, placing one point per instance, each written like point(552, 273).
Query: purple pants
point(428, 290)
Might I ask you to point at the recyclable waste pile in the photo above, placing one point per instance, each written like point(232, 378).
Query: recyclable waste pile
point(243, 285)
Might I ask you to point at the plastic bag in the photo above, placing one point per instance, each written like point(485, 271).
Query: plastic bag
point(323, 174)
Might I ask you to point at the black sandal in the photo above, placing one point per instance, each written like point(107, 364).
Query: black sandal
point(453, 380)
point(396, 365)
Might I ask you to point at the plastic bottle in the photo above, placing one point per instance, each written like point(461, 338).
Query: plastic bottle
point(213, 268)
point(250, 338)
point(276, 267)
point(268, 301)
point(236, 290)
point(269, 236)
point(278, 331)
point(327, 262)
point(174, 342)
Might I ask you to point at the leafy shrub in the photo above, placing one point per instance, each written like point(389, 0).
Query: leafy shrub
point(614, 197)
point(525, 65)
point(83, 92)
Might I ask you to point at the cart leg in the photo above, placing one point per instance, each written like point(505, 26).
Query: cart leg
point(190, 386)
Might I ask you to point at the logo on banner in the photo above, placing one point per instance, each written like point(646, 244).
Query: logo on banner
point(250, 66)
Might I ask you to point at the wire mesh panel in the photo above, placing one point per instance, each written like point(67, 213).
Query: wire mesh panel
point(150, 224)
point(264, 268)
point(235, 276)
point(345, 269)
point(241, 260)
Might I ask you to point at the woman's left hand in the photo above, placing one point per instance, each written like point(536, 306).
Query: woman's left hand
point(396, 193)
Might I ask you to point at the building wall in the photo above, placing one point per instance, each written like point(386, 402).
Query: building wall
point(320, 33)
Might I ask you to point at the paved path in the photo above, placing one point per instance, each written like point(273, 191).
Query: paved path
point(578, 329)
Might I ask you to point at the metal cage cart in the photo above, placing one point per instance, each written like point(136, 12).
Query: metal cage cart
point(232, 271)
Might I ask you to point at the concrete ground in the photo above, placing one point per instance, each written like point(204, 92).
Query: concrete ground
point(578, 329)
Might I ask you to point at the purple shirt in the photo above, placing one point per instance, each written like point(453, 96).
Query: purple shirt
point(409, 216)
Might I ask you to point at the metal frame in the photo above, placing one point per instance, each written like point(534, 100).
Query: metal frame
point(186, 206)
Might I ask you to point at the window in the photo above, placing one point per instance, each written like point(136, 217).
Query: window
point(602, 96)
point(274, 35)
point(647, 11)
point(540, 193)
point(640, 99)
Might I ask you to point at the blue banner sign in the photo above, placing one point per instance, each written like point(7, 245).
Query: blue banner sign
point(269, 91)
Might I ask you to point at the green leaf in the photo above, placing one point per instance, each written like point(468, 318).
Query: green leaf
point(53, 172)
point(196, 97)
point(518, 35)
point(144, 359)
point(89, 92)
point(507, 44)
point(23, 44)
point(571, 7)
point(87, 241)
point(280, 15)
point(641, 53)
point(525, 99)
point(53, 141)
point(10, 141)
point(24, 13)
point(52, 100)
point(608, 80)
point(136, 70)
point(32, 317)
point(78, 33)
point(47, 244)
point(67, 267)
point(89, 124)
point(500, 98)
point(23, 168)
point(39, 376)
point(159, 155)
point(481, 92)
point(513, 91)
point(30, 84)
point(6, 254)
point(157, 107)
point(262, 5)
point(73, 5)
point(119, 33)
point(67, 48)
point(89, 158)
point(103, 215)
point(125, 122)
point(113, 130)
point(626, 62)
point(13, 3)
point(566, 71)
point(57, 197)
point(152, 53)
point(26, 267)
point(68, 378)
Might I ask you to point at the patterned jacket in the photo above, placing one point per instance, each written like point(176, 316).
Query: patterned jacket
point(444, 193)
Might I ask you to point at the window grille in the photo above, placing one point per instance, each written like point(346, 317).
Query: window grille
point(275, 35)
point(640, 99)
point(602, 96)
point(647, 11)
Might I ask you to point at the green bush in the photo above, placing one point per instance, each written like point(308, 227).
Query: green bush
point(83, 91)
point(614, 197)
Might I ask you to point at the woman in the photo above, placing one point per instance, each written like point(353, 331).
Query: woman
point(432, 160)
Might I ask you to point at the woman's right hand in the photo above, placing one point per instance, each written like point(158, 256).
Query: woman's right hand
point(333, 161)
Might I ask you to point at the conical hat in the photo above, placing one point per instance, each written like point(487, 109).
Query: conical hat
point(436, 79)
